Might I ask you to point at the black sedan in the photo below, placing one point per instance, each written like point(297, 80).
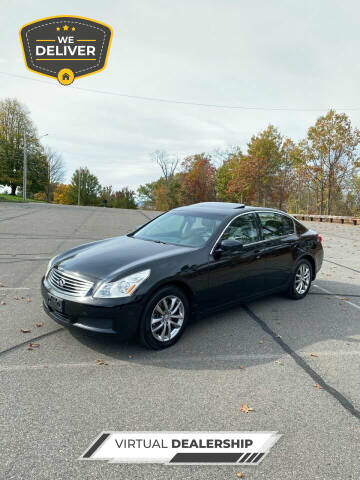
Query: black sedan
point(192, 259)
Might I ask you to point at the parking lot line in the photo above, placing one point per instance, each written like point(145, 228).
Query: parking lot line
point(304, 365)
point(337, 296)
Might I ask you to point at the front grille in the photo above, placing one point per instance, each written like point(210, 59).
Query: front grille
point(68, 284)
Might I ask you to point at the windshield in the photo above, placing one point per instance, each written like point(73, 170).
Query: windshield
point(179, 228)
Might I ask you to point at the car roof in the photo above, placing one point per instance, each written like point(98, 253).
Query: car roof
point(224, 209)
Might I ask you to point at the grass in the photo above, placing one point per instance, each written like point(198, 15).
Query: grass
point(11, 198)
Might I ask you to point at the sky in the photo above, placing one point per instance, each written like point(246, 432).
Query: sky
point(298, 57)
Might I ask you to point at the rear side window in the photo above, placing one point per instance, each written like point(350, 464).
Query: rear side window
point(243, 228)
point(275, 225)
point(300, 228)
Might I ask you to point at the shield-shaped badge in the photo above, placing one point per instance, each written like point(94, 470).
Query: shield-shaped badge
point(65, 47)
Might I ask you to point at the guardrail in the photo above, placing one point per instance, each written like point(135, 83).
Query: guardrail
point(327, 218)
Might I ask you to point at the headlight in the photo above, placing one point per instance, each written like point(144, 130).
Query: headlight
point(122, 288)
point(50, 264)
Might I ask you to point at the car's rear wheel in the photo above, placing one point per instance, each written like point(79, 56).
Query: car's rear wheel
point(301, 280)
point(164, 319)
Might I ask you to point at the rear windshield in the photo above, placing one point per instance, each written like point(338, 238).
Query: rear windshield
point(181, 228)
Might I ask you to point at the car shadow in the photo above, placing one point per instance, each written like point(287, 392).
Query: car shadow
point(230, 338)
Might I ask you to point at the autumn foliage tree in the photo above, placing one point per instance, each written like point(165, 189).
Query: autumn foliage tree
point(330, 151)
point(198, 179)
point(319, 174)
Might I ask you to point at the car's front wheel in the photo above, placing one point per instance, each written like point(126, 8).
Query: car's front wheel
point(164, 318)
point(301, 280)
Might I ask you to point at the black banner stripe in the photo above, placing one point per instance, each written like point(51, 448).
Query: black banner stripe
point(256, 459)
point(224, 457)
point(251, 458)
point(243, 459)
point(96, 445)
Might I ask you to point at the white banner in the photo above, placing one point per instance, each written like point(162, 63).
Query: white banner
point(215, 448)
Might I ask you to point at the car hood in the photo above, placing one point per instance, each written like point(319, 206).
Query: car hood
point(109, 259)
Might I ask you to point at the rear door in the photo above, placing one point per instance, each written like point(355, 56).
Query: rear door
point(279, 241)
point(234, 275)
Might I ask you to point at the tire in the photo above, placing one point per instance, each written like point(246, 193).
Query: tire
point(157, 326)
point(301, 280)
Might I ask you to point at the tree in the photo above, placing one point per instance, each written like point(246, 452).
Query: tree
point(55, 171)
point(290, 159)
point(62, 194)
point(225, 174)
point(264, 152)
point(146, 194)
point(198, 179)
point(167, 164)
point(125, 198)
point(15, 122)
point(330, 150)
point(89, 187)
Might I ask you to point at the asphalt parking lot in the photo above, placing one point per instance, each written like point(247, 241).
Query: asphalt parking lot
point(55, 398)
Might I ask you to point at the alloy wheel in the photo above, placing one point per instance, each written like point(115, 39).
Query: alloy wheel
point(167, 318)
point(302, 278)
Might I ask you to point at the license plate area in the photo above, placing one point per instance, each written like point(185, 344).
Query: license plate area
point(55, 303)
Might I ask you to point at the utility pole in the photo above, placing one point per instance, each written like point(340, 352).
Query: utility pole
point(24, 169)
point(79, 187)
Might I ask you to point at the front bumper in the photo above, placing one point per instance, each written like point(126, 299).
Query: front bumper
point(122, 320)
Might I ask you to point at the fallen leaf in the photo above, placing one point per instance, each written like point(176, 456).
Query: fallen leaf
point(34, 345)
point(313, 355)
point(241, 367)
point(28, 300)
point(2, 285)
point(39, 324)
point(344, 298)
point(244, 408)
point(2, 302)
point(240, 475)
point(261, 341)
point(278, 362)
point(101, 362)
point(25, 330)
point(317, 386)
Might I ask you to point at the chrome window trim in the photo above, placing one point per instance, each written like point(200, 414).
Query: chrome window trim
point(260, 241)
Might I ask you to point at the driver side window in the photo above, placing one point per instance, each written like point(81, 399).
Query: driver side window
point(243, 229)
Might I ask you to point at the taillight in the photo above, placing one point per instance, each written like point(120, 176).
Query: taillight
point(319, 238)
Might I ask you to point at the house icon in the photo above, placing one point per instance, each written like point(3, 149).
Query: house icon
point(65, 76)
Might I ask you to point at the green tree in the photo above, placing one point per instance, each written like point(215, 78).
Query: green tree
point(15, 122)
point(89, 187)
point(224, 175)
point(264, 151)
point(146, 194)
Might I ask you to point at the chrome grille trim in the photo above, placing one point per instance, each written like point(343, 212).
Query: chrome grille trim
point(68, 284)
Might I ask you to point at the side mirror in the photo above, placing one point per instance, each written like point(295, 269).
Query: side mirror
point(229, 246)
